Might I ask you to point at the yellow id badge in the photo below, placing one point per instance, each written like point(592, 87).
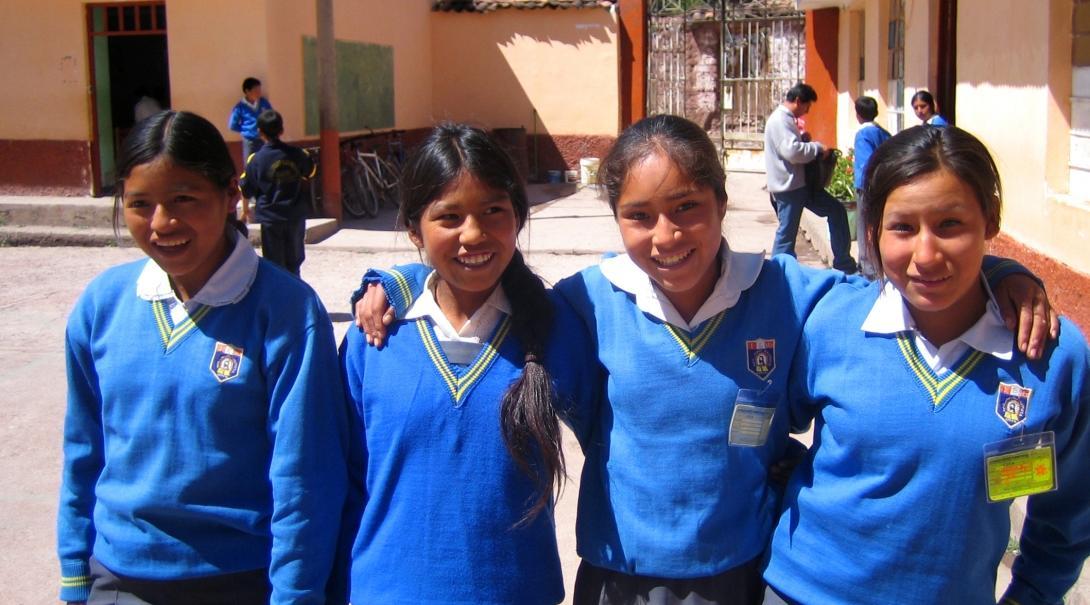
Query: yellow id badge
point(1020, 466)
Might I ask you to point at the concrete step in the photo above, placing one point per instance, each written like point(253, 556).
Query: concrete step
point(80, 212)
point(50, 235)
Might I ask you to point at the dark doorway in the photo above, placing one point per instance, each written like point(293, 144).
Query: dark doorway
point(128, 49)
point(947, 81)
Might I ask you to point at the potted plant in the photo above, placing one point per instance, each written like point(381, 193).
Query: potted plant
point(842, 186)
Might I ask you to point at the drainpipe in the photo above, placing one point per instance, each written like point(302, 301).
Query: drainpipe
point(329, 136)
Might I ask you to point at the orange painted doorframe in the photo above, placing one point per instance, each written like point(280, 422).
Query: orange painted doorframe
point(632, 60)
point(822, 29)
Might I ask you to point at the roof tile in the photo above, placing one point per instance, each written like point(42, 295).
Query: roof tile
point(484, 6)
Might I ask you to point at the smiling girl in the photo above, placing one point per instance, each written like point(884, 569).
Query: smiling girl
point(928, 420)
point(459, 444)
point(205, 436)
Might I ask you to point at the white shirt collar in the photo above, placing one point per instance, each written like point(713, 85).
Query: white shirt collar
point(989, 334)
point(477, 329)
point(228, 285)
point(252, 105)
point(738, 271)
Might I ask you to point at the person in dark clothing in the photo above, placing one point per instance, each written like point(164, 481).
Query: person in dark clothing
point(275, 177)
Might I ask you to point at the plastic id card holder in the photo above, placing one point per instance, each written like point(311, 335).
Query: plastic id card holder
point(1020, 466)
point(752, 417)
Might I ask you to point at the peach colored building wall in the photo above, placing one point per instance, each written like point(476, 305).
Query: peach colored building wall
point(495, 69)
point(211, 50)
point(404, 25)
point(44, 46)
point(1014, 72)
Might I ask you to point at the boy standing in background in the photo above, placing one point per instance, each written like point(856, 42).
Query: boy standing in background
point(244, 115)
point(867, 139)
point(275, 177)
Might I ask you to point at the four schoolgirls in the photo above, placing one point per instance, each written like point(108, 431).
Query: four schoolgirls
point(452, 438)
point(694, 341)
point(206, 432)
point(928, 421)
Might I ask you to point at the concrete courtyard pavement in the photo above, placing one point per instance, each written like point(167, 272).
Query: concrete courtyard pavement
point(42, 283)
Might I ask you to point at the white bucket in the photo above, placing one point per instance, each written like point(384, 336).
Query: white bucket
point(588, 171)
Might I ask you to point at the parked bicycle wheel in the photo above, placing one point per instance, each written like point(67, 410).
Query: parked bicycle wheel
point(353, 193)
point(370, 198)
point(391, 185)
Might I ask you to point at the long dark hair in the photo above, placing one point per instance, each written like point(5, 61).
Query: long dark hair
point(188, 141)
point(917, 152)
point(528, 419)
point(685, 143)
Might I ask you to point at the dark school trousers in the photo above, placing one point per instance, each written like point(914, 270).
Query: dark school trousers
point(282, 243)
point(741, 585)
point(242, 588)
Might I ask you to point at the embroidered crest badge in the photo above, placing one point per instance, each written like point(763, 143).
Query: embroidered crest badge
point(1011, 404)
point(225, 362)
point(761, 356)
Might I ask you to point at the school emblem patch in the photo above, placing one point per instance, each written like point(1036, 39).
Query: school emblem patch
point(225, 362)
point(1011, 404)
point(761, 356)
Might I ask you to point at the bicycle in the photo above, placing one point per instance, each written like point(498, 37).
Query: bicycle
point(371, 178)
point(314, 181)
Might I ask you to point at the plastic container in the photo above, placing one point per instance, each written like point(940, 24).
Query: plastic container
point(571, 176)
point(588, 171)
point(555, 176)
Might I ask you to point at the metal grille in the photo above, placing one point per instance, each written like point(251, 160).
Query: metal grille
point(763, 55)
point(666, 57)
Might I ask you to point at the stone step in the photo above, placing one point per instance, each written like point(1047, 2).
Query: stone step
point(50, 235)
point(80, 212)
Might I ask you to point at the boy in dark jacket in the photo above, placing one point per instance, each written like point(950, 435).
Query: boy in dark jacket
point(275, 177)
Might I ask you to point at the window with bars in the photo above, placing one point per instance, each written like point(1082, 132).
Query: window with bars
point(130, 18)
point(895, 45)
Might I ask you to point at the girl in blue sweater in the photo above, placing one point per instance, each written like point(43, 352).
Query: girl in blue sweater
point(928, 420)
point(206, 432)
point(458, 447)
point(694, 341)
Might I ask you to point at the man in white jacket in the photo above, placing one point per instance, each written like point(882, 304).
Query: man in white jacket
point(786, 154)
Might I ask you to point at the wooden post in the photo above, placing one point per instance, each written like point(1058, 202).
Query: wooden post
point(329, 135)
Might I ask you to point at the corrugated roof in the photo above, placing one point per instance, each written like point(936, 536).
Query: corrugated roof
point(483, 6)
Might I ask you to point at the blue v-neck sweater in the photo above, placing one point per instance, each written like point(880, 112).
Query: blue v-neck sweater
point(890, 506)
point(442, 495)
point(663, 493)
point(209, 447)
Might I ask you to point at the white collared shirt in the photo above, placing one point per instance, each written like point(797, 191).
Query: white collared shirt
point(460, 346)
point(738, 271)
point(228, 285)
point(989, 334)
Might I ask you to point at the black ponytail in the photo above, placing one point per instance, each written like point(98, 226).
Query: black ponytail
point(528, 414)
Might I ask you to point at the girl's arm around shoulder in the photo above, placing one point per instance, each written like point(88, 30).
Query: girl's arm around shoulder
point(571, 357)
point(384, 295)
point(1020, 295)
point(308, 428)
point(1055, 537)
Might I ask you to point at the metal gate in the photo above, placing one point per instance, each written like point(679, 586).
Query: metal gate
point(762, 53)
point(666, 57)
